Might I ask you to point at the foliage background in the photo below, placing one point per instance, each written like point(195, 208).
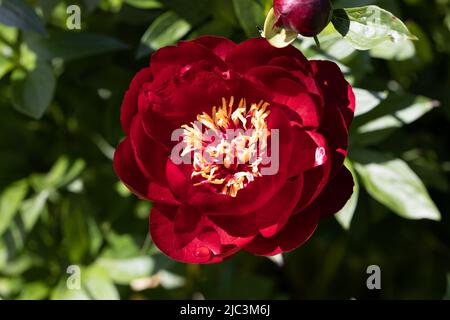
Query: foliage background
point(61, 203)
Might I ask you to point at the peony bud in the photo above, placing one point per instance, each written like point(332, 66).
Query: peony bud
point(306, 17)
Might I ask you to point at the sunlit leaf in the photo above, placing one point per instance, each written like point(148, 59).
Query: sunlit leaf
point(167, 29)
point(345, 215)
point(394, 184)
point(367, 100)
point(10, 202)
point(144, 4)
point(123, 271)
point(98, 284)
point(369, 26)
point(250, 15)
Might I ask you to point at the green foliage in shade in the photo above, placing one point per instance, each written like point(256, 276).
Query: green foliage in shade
point(17, 13)
point(61, 203)
point(33, 93)
point(71, 45)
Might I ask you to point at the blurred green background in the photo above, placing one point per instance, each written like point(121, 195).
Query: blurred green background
point(61, 203)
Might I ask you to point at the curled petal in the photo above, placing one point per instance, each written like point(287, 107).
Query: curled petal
point(297, 231)
point(219, 45)
point(207, 243)
point(130, 101)
point(258, 52)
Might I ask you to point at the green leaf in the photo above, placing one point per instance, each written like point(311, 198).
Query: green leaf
point(369, 26)
point(62, 173)
point(396, 51)
point(393, 113)
point(98, 284)
point(18, 14)
point(345, 215)
point(144, 4)
point(72, 45)
point(447, 293)
point(75, 232)
point(123, 271)
point(250, 15)
point(34, 291)
point(6, 65)
point(277, 37)
point(62, 292)
point(401, 110)
point(166, 30)
point(394, 184)
point(33, 94)
point(10, 202)
point(23, 223)
point(367, 100)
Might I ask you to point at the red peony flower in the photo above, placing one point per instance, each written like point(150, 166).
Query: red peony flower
point(266, 131)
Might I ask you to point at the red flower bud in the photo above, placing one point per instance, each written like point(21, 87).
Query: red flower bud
point(306, 17)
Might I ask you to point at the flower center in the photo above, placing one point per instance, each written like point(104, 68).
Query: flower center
point(228, 146)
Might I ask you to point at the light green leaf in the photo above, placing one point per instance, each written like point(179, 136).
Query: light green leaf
point(33, 94)
point(144, 4)
point(404, 109)
point(166, 30)
point(10, 201)
point(98, 284)
point(6, 65)
point(62, 292)
point(367, 100)
point(369, 26)
point(397, 51)
point(34, 291)
point(277, 37)
point(250, 15)
point(123, 271)
point(18, 14)
point(394, 184)
point(345, 216)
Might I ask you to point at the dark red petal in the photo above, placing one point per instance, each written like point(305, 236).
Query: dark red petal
point(274, 215)
point(182, 55)
point(297, 231)
point(219, 45)
point(150, 156)
point(310, 151)
point(285, 89)
point(267, 220)
point(206, 244)
point(338, 93)
point(128, 171)
point(339, 109)
point(176, 99)
point(130, 101)
point(258, 52)
point(336, 194)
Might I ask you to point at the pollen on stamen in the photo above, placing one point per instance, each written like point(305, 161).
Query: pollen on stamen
point(227, 153)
